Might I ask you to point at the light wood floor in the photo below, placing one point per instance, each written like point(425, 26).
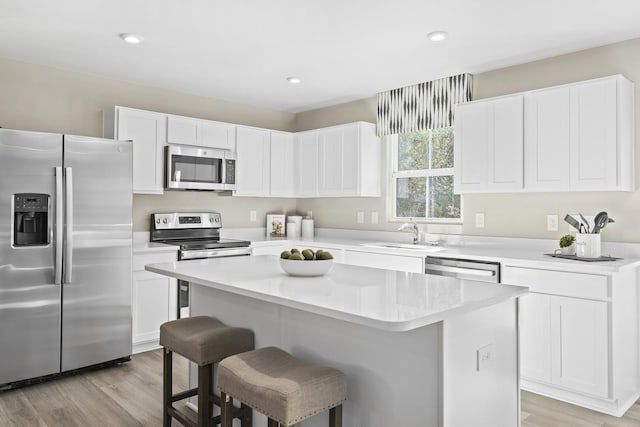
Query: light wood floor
point(131, 395)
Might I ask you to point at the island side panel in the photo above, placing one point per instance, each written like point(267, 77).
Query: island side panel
point(487, 390)
point(393, 378)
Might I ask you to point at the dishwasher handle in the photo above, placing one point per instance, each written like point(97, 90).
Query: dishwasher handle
point(460, 270)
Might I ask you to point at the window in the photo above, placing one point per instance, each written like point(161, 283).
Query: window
point(422, 176)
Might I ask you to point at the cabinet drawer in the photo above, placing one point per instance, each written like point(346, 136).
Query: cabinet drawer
point(577, 285)
point(140, 260)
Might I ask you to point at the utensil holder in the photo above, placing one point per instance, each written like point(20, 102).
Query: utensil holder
point(587, 245)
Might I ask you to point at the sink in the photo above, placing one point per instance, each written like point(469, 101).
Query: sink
point(394, 245)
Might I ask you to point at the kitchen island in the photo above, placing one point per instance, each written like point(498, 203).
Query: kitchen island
point(417, 350)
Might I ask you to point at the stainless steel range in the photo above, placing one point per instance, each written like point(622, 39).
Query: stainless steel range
point(198, 236)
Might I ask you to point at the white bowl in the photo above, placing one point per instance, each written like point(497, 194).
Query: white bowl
point(306, 268)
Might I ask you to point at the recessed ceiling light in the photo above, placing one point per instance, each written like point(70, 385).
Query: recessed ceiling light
point(437, 36)
point(294, 80)
point(131, 38)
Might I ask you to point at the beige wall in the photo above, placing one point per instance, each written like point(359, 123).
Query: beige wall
point(46, 99)
point(509, 215)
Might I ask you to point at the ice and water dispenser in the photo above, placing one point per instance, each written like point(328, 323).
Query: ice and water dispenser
point(30, 219)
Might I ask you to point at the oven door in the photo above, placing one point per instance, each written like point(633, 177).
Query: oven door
point(183, 285)
point(194, 168)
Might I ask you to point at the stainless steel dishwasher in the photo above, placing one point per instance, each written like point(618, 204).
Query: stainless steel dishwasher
point(485, 271)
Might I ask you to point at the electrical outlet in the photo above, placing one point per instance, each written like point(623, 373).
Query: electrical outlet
point(252, 216)
point(309, 214)
point(374, 217)
point(360, 217)
point(484, 357)
point(479, 220)
point(552, 222)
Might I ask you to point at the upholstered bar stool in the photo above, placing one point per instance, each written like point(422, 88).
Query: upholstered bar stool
point(205, 341)
point(280, 386)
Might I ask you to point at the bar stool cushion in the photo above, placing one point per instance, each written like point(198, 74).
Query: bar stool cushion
point(204, 339)
point(280, 386)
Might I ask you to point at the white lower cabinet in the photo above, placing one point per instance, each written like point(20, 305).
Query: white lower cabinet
point(535, 337)
point(154, 300)
point(579, 336)
point(580, 345)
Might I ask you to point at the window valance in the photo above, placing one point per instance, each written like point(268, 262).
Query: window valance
point(427, 105)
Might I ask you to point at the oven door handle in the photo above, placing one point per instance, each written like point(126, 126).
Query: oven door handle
point(214, 253)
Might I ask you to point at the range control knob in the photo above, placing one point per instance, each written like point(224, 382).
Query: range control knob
point(157, 220)
point(165, 220)
point(217, 219)
point(211, 219)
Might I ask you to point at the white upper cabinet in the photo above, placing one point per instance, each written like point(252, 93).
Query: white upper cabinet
point(306, 174)
point(489, 145)
point(579, 137)
point(575, 137)
point(147, 130)
point(253, 147)
point(547, 148)
point(347, 161)
point(204, 133)
point(282, 159)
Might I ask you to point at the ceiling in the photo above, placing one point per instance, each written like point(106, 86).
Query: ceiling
point(242, 50)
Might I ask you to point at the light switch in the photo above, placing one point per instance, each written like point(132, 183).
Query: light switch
point(374, 217)
point(480, 220)
point(252, 216)
point(552, 222)
point(360, 217)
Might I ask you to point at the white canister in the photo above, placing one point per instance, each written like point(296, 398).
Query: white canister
point(293, 229)
point(307, 229)
point(588, 245)
point(298, 220)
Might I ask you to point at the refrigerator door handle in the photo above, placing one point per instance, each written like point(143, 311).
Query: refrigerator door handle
point(59, 226)
point(68, 255)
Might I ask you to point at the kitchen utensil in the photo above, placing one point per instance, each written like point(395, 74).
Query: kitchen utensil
point(586, 223)
point(600, 221)
point(572, 222)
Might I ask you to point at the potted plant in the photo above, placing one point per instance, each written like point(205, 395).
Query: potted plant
point(567, 245)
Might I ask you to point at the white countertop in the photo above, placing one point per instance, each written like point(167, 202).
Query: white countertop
point(507, 251)
point(383, 299)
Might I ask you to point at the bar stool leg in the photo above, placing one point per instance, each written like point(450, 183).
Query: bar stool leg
point(167, 380)
point(204, 406)
point(273, 423)
point(246, 419)
point(335, 416)
point(226, 410)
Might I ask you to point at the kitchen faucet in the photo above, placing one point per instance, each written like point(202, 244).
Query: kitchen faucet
point(412, 227)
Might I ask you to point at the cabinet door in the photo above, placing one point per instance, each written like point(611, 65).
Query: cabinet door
point(307, 165)
point(506, 144)
point(217, 135)
point(150, 305)
point(253, 170)
point(471, 138)
point(546, 140)
point(339, 161)
point(182, 130)
point(282, 165)
point(580, 345)
point(147, 131)
point(593, 135)
point(331, 143)
point(535, 337)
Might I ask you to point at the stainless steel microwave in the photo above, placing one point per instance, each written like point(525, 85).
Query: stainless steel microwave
point(199, 168)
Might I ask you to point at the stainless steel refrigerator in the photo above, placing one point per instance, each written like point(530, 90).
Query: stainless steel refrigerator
point(65, 253)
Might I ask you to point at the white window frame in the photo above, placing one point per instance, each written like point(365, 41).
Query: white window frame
point(394, 173)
